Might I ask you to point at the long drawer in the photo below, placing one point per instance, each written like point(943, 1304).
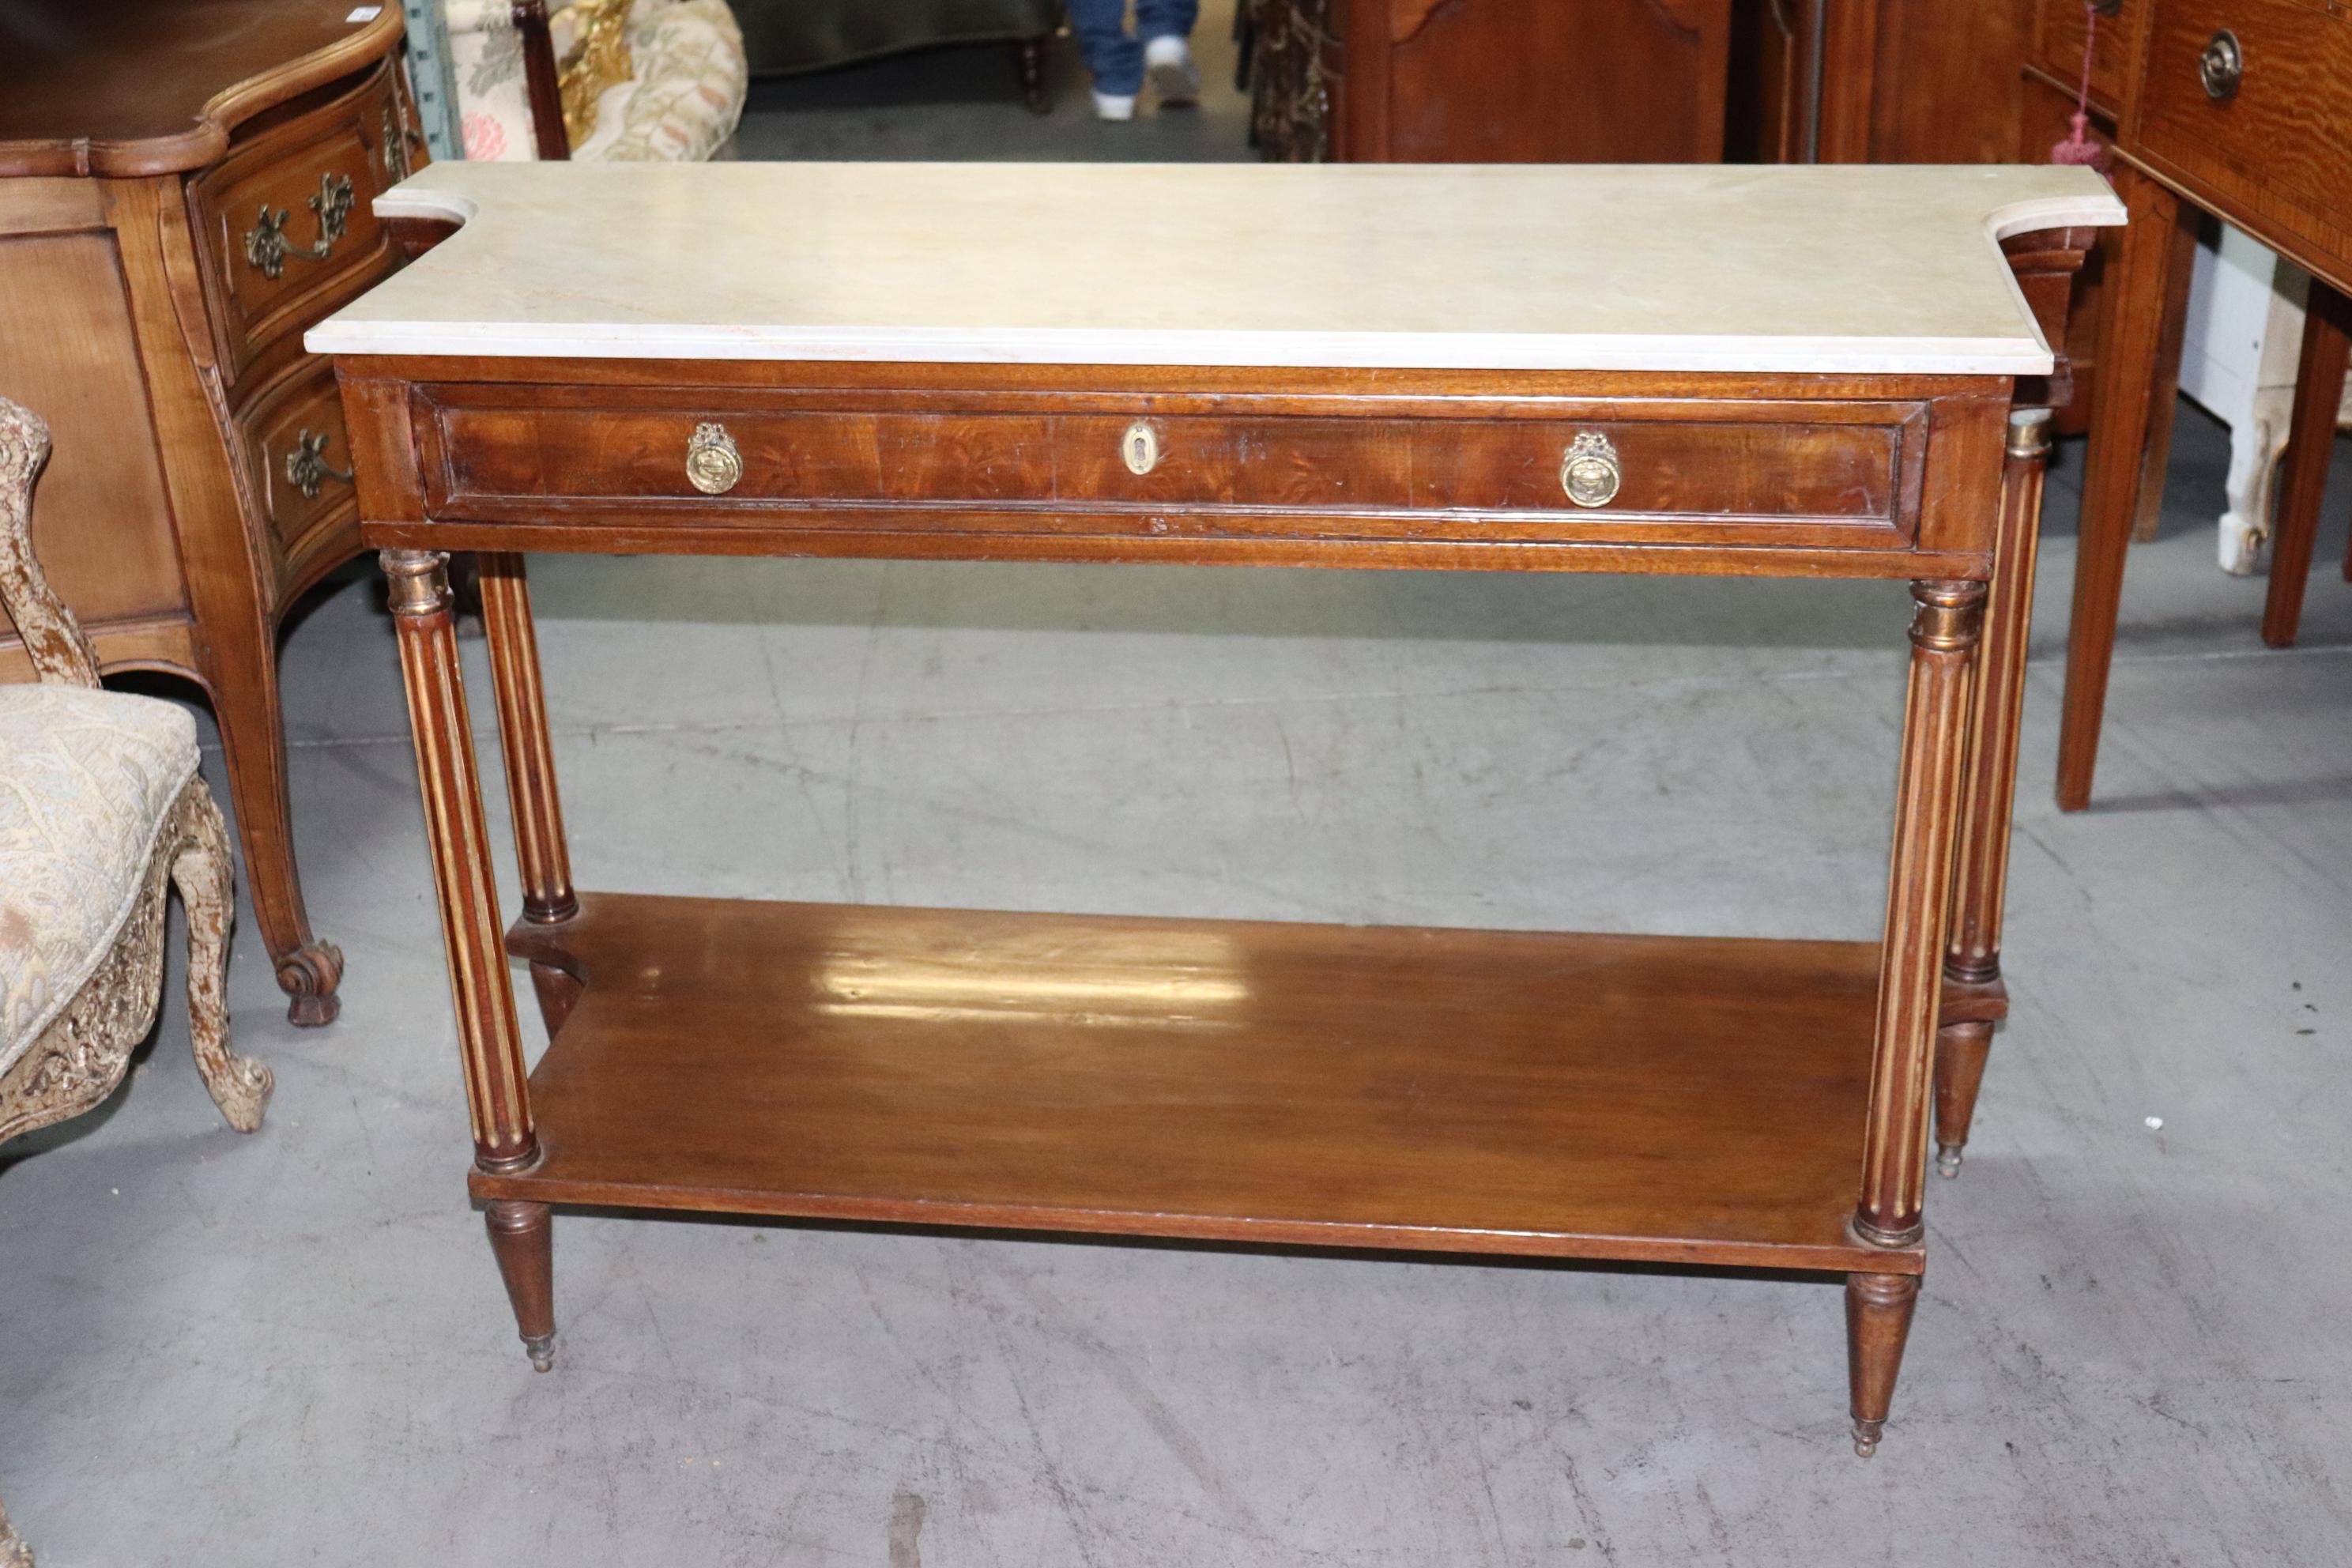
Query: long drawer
point(285, 230)
point(2251, 100)
point(1819, 475)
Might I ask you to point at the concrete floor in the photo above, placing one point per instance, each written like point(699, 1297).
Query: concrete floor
point(2134, 1346)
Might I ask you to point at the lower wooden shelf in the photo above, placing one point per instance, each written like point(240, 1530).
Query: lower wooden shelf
point(1681, 1099)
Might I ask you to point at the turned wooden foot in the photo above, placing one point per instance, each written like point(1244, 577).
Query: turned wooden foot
point(1029, 58)
point(523, 1235)
point(1961, 1053)
point(1877, 1320)
point(308, 975)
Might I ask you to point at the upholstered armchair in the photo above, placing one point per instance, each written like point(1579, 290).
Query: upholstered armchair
point(609, 80)
point(100, 805)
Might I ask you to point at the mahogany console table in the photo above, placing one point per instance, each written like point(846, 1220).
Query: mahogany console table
point(1762, 373)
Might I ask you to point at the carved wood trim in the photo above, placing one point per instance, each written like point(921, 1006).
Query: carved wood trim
point(78, 1060)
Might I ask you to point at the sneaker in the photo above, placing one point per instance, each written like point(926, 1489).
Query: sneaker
point(1168, 67)
point(1114, 106)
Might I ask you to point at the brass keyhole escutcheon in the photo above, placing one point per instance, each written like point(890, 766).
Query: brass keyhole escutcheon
point(2222, 66)
point(712, 464)
point(1589, 472)
point(1140, 448)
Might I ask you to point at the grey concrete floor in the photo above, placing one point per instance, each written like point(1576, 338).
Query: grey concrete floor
point(2134, 1346)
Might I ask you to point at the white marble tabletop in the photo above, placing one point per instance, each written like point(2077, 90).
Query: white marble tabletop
point(1656, 267)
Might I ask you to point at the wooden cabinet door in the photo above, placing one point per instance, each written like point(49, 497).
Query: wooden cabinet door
point(1537, 81)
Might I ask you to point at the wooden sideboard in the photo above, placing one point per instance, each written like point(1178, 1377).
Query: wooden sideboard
point(2242, 109)
point(184, 189)
point(1491, 81)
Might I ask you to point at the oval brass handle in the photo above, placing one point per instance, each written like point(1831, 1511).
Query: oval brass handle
point(265, 246)
point(1138, 446)
point(306, 464)
point(2222, 65)
point(1589, 472)
point(713, 466)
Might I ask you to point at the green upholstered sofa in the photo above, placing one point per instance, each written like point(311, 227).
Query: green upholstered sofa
point(785, 36)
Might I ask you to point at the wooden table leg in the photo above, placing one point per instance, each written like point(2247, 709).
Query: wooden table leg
point(1988, 792)
point(497, 1089)
point(2310, 442)
point(2156, 249)
point(540, 849)
point(1945, 630)
point(1877, 1321)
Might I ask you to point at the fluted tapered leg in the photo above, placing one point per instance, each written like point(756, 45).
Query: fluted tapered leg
point(1988, 788)
point(1944, 633)
point(523, 1236)
point(497, 1088)
point(1877, 1321)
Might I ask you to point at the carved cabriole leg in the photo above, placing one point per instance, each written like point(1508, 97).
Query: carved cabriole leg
point(497, 1092)
point(522, 1237)
point(1877, 1320)
point(1988, 792)
point(546, 862)
point(202, 869)
point(77, 1061)
point(1943, 632)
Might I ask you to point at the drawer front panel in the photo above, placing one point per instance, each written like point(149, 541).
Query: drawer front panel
point(284, 225)
point(1818, 475)
point(2058, 29)
point(302, 463)
point(2288, 120)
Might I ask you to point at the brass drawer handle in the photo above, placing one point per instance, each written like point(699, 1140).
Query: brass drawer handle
point(713, 466)
point(265, 246)
point(306, 465)
point(2222, 65)
point(1589, 472)
point(1140, 446)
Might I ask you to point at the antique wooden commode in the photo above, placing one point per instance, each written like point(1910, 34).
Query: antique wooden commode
point(1799, 372)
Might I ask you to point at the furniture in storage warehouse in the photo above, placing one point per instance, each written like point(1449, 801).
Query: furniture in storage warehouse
point(183, 190)
point(1770, 372)
point(2242, 109)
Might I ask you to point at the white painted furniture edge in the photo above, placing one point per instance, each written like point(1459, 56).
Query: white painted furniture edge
point(1855, 269)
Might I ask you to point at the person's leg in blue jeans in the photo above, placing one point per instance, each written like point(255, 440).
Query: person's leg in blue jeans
point(1119, 62)
point(1166, 27)
point(1115, 60)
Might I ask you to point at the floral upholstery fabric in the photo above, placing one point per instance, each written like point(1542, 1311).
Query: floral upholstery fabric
point(680, 104)
point(87, 781)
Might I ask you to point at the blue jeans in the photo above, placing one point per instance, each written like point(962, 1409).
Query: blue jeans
point(1116, 59)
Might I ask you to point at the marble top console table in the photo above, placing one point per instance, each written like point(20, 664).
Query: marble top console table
point(1795, 372)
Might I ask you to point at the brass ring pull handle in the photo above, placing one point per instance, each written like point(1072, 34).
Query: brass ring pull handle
point(2222, 65)
point(713, 466)
point(265, 246)
point(1139, 447)
point(306, 465)
point(1589, 472)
